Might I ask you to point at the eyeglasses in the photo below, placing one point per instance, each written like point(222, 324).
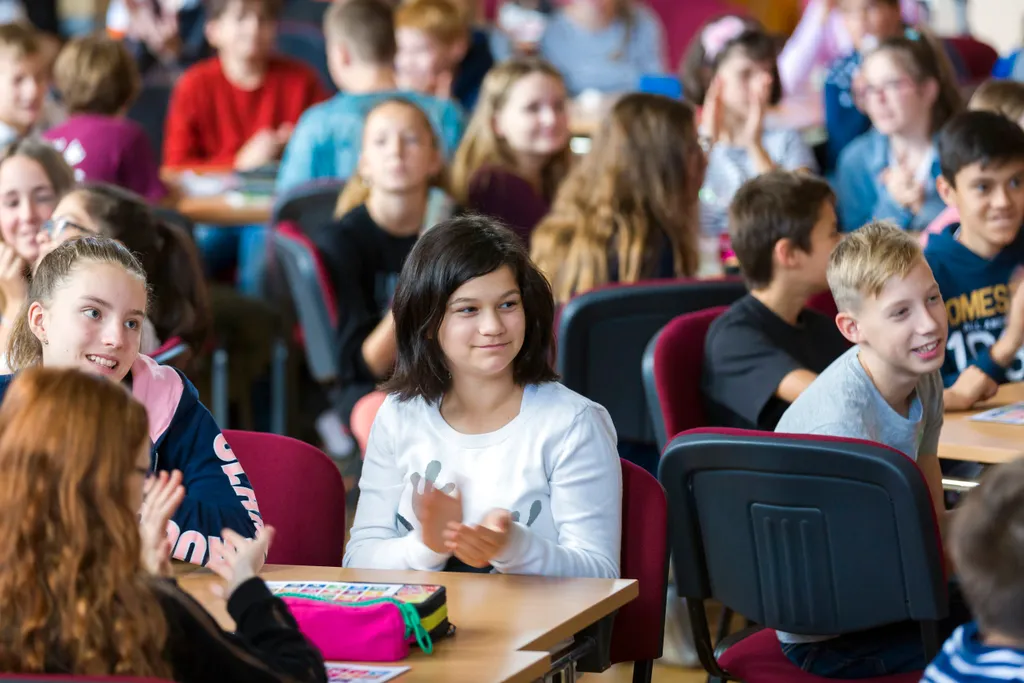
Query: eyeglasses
point(887, 90)
point(55, 226)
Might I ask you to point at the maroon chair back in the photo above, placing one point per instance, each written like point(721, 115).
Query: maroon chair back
point(673, 363)
point(978, 57)
point(639, 628)
point(300, 493)
point(824, 303)
point(72, 678)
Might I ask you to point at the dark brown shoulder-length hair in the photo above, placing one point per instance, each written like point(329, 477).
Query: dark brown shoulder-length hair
point(446, 257)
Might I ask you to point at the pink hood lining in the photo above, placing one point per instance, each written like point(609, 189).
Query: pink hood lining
point(159, 389)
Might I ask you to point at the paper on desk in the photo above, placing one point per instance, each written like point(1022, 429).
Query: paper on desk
point(1012, 414)
point(195, 184)
point(342, 673)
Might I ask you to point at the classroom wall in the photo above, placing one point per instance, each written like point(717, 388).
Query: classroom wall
point(997, 22)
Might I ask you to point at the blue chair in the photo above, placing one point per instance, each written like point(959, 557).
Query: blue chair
point(803, 534)
point(305, 42)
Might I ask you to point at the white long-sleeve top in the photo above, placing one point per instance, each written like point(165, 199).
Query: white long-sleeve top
point(554, 467)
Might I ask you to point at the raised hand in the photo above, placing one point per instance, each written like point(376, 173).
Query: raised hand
point(903, 187)
point(162, 494)
point(478, 544)
point(13, 283)
point(713, 112)
point(753, 128)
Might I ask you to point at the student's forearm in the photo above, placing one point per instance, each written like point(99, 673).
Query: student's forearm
point(372, 548)
point(760, 159)
point(529, 553)
point(379, 348)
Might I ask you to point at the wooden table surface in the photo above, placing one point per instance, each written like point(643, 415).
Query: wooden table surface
point(985, 442)
point(505, 624)
point(218, 210)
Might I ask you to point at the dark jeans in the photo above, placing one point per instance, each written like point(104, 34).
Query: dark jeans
point(891, 649)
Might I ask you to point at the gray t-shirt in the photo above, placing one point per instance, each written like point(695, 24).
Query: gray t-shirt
point(843, 401)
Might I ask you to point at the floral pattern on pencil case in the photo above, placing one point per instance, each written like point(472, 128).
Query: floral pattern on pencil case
point(430, 476)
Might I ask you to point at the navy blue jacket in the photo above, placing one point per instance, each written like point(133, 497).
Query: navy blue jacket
point(185, 437)
point(977, 296)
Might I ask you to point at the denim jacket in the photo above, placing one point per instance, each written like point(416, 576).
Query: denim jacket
point(862, 195)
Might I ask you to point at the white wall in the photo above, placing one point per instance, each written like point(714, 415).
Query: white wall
point(997, 22)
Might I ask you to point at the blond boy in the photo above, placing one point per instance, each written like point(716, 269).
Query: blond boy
point(887, 389)
point(23, 81)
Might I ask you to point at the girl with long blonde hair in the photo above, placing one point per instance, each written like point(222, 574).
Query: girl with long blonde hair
point(84, 589)
point(515, 152)
point(383, 209)
point(629, 210)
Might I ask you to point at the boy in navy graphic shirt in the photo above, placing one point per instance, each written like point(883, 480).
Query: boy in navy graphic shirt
point(976, 261)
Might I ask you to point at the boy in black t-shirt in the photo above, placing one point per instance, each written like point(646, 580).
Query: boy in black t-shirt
point(767, 348)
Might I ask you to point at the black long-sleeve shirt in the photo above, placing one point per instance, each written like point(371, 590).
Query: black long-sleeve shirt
point(266, 647)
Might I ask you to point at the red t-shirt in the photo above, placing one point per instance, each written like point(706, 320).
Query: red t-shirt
point(209, 119)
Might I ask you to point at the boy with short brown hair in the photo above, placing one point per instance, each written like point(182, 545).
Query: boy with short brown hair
point(768, 347)
point(238, 109)
point(987, 544)
point(361, 57)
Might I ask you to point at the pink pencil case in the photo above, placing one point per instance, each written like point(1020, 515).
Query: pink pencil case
point(372, 631)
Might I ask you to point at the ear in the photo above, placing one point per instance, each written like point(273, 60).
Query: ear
point(946, 191)
point(848, 327)
point(211, 32)
point(37, 320)
point(784, 253)
point(437, 164)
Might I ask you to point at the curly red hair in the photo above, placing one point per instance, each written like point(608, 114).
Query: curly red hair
point(75, 596)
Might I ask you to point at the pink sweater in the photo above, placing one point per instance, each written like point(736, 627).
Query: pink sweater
point(810, 47)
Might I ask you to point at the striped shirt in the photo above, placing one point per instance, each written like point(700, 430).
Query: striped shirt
point(965, 659)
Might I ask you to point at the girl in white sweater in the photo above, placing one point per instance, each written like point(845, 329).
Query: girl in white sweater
point(479, 460)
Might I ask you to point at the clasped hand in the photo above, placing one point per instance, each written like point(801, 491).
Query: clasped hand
point(443, 531)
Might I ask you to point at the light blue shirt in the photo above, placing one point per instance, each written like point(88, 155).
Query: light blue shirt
point(327, 139)
point(606, 60)
point(863, 196)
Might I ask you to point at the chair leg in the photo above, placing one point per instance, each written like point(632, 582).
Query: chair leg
point(219, 388)
point(643, 671)
point(724, 622)
point(279, 388)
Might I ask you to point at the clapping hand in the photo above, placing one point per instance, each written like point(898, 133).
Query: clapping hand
point(162, 494)
point(243, 559)
point(902, 186)
point(478, 544)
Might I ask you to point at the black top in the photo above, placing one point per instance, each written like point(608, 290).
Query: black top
point(748, 352)
point(363, 262)
point(266, 647)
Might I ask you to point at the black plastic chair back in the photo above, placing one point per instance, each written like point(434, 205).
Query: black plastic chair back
point(809, 535)
point(602, 335)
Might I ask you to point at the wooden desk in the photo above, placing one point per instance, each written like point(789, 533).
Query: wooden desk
point(216, 210)
point(986, 442)
point(506, 624)
point(219, 211)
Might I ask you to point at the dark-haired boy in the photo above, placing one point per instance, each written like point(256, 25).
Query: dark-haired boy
point(768, 347)
point(238, 109)
point(976, 260)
